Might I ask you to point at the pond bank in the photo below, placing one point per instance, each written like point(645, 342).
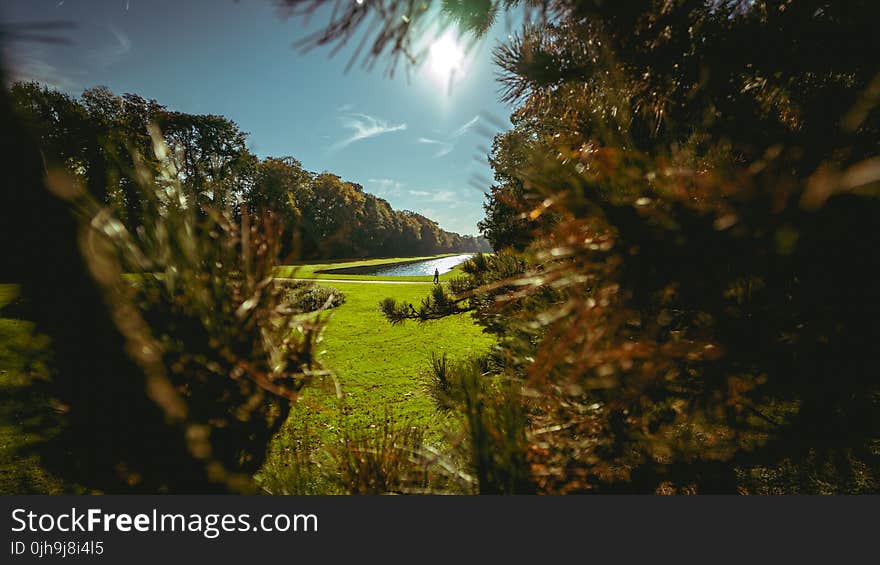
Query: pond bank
point(417, 267)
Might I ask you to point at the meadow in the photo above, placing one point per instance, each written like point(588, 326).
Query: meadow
point(380, 377)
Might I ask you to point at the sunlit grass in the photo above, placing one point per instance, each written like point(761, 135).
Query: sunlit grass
point(382, 371)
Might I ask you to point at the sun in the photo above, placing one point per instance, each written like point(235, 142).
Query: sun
point(446, 59)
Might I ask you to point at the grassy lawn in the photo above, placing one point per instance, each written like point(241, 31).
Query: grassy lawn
point(382, 371)
point(22, 411)
point(309, 271)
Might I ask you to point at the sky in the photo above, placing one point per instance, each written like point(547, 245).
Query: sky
point(412, 139)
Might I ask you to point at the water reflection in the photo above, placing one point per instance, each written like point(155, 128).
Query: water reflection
point(419, 268)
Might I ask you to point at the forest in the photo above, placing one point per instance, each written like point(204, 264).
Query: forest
point(97, 136)
point(673, 291)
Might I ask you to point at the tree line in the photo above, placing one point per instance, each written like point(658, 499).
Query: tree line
point(165, 233)
point(104, 139)
point(684, 215)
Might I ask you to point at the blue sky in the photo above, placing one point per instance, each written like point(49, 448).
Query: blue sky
point(410, 140)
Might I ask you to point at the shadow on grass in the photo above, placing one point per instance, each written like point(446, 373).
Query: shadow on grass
point(27, 417)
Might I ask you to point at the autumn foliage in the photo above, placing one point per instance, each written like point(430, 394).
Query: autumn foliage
point(692, 189)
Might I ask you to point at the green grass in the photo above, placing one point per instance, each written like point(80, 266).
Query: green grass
point(25, 417)
point(382, 372)
point(310, 270)
point(380, 364)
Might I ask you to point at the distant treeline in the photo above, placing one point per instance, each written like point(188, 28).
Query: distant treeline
point(105, 140)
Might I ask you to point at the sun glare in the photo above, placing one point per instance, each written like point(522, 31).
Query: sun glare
point(446, 59)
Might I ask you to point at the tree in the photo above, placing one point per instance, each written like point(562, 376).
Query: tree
point(211, 157)
point(690, 186)
point(105, 139)
point(507, 221)
point(700, 240)
point(64, 131)
point(173, 380)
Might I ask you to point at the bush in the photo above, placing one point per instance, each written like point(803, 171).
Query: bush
point(173, 384)
point(495, 418)
point(385, 459)
point(440, 387)
point(302, 296)
point(693, 307)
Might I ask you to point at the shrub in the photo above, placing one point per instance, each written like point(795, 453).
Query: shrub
point(386, 459)
point(298, 463)
point(440, 387)
point(495, 419)
point(302, 296)
point(692, 306)
point(175, 383)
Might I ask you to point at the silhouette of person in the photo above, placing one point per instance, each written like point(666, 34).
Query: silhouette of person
point(436, 276)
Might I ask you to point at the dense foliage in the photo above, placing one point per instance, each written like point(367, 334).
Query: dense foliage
point(692, 187)
point(684, 215)
point(104, 140)
point(173, 354)
point(165, 231)
point(305, 296)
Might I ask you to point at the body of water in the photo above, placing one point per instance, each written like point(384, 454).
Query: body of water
point(414, 269)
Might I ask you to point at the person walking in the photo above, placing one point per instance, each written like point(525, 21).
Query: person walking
point(436, 276)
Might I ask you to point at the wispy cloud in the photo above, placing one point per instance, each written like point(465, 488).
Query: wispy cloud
point(109, 54)
point(364, 126)
point(444, 146)
point(443, 196)
point(28, 62)
point(447, 144)
point(384, 187)
point(66, 70)
point(124, 41)
point(464, 128)
point(447, 196)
